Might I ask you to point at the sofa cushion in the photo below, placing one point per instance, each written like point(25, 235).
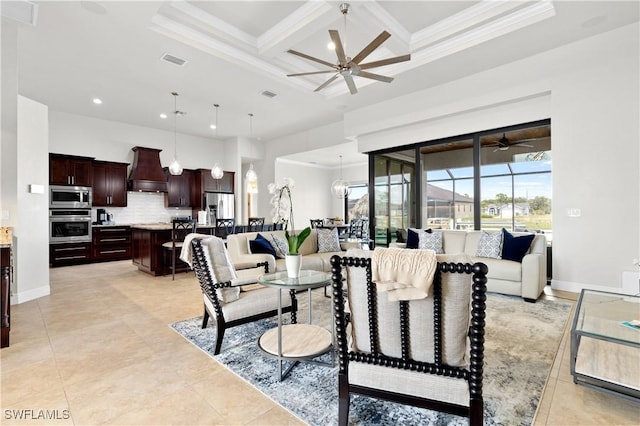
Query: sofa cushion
point(328, 240)
point(514, 248)
point(501, 269)
point(413, 237)
point(430, 240)
point(279, 244)
point(490, 245)
point(261, 245)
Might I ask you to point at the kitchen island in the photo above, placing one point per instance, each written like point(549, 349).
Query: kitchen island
point(146, 247)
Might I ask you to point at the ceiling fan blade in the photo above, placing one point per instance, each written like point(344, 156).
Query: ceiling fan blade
point(310, 73)
point(521, 145)
point(326, 83)
point(350, 83)
point(383, 62)
point(371, 47)
point(311, 58)
point(335, 38)
point(373, 76)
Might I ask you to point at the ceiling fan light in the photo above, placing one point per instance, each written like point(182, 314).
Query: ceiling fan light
point(175, 168)
point(217, 172)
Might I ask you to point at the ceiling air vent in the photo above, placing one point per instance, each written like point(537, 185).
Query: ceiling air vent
point(268, 94)
point(173, 59)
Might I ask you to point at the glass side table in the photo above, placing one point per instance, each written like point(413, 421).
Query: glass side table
point(296, 342)
point(605, 354)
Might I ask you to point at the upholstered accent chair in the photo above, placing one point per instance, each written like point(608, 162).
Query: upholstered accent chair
point(426, 353)
point(235, 302)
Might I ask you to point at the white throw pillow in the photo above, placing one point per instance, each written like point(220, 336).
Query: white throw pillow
point(279, 244)
point(490, 245)
point(328, 240)
point(431, 241)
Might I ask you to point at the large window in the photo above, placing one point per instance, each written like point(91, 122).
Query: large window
point(486, 180)
point(357, 203)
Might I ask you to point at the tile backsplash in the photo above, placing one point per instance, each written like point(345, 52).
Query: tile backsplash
point(143, 207)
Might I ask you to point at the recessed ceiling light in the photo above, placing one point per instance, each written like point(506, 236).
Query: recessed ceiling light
point(97, 101)
point(213, 126)
point(163, 115)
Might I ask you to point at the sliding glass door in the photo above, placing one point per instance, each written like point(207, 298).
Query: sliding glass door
point(485, 180)
point(394, 194)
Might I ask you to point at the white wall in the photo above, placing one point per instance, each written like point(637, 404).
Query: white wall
point(31, 250)
point(112, 141)
point(590, 91)
point(311, 195)
point(9, 127)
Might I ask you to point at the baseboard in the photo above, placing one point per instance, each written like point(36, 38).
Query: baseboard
point(630, 285)
point(25, 296)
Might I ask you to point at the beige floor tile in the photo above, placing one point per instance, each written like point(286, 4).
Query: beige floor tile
point(276, 416)
point(31, 384)
point(22, 354)
point(577, 405)
point(229, 395)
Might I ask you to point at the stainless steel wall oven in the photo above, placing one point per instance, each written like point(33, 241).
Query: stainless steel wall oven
point(69, 225)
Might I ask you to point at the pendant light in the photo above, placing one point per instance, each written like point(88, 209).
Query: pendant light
point(216, 171)
point(175, 168)
point(340, 187)
point(251, 175)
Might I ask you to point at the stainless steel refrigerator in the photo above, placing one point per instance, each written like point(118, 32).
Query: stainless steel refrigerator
point(219, 206)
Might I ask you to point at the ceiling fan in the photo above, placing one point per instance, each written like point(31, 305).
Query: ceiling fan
point(348, 67)
point(504, 143)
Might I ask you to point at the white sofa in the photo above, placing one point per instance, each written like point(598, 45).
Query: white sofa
point(526, 279)
point(238, 248)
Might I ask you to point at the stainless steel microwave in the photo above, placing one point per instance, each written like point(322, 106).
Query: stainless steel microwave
point(70, 197)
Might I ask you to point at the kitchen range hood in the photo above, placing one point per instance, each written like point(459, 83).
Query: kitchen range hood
point(146, 173)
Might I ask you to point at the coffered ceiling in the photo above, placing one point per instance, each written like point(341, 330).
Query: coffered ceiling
point(236, 50)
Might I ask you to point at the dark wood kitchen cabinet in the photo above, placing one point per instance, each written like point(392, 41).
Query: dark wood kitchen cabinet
point(70, 170)
point(5, 303)
point(181, 189)
point(69, 253)
point(147, 249)
point(208, 184)
point(109, 184)
point(111, 243)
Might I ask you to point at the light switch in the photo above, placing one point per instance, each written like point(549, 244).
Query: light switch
point(36, 189)
point(574, 212)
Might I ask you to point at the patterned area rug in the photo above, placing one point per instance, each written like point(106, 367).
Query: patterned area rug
point(521, 340)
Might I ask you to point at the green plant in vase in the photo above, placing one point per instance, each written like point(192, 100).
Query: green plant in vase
point(283, 213)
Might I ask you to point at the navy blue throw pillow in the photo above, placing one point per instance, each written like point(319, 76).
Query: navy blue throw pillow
point(514, 248)
point(261, 245)
point(413, 239)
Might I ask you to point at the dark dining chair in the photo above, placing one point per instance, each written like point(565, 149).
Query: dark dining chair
point(316, 223)
point(225, 227)
point(179, 229)
point(255, 224)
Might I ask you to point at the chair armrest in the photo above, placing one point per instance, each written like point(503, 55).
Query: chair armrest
point(248, 261)
point(534, 275)
point(398, 245)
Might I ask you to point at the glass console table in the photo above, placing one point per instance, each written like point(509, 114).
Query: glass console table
point(605, 354)
point(296, 342)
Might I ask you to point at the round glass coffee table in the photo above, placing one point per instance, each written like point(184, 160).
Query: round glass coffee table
point(296, 342)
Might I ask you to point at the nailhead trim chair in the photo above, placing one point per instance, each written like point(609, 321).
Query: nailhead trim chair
point(252, 305)
point(426, 353)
